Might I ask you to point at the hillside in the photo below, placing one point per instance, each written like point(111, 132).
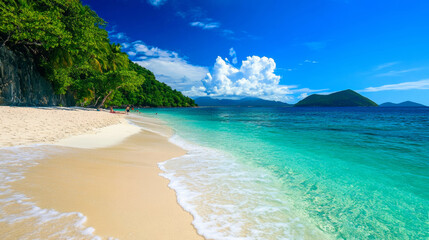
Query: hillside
point(59, 53)
point(346, 98)
point(151, 93)
point(245, 102)
point(402, 104)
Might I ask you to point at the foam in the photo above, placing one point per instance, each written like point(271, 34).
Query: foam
point(16, 209)
point(230, 200)
point(104, 137)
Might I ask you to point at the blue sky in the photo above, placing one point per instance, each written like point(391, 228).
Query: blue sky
point(279, 50)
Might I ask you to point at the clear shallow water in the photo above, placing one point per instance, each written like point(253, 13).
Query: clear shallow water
point(302, 173)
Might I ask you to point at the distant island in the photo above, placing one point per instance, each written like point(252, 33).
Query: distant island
point(346, 98)
point(244, 102)
point(402, 104)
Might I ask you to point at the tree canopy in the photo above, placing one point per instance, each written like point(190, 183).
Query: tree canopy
point(71, 46)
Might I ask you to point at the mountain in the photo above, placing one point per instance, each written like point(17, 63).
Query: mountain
point(402, 104)
point(245, 102)
point(346, 98)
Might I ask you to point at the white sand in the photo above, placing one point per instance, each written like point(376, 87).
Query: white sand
point(103, 137)
point(26, 125)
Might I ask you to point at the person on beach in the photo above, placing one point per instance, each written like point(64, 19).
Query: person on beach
point(128, 109)
point(111, 110)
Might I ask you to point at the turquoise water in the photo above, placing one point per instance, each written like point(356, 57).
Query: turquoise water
point(302, 173)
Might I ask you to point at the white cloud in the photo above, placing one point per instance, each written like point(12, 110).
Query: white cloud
point(168, 67)
point(125, 45)
point(310, 61)
point(385, 65)
point(118, 35)
point(131, 53)
point(197, 17)
point(397, 72)
point(422, 84)
point(233, 54)
point(306, 90)
point(303, 95)
point(227, 32)
point(156, 3)
point(205, 25)
point(255, 78)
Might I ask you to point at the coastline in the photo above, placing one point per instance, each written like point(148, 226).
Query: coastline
point(118, 189)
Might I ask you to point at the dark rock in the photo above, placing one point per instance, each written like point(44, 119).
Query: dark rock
point(22, 85)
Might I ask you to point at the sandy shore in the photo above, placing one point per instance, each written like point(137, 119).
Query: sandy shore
point(117, 188)
point(25, 125)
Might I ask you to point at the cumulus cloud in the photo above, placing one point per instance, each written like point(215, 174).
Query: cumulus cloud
point(168, 66)
point(422, 84)
point(255, 78)
point(205, 25)
point(233, 54)
point(156, 3)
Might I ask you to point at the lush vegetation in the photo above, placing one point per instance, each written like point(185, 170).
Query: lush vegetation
point(151, 93)
point(346, 98)
point(72, 49)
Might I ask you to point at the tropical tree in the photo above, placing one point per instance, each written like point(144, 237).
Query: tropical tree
point(72, 49)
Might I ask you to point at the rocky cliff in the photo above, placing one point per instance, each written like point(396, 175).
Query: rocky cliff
point(22, 85)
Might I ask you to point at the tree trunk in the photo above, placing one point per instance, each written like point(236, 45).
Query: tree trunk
point(96, 101)
point(7, 39)
point(104, 99)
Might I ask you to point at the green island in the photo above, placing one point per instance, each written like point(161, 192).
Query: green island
point(71, 49)
point(346, 98)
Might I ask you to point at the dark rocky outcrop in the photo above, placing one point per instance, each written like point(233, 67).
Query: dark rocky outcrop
point(22, 85)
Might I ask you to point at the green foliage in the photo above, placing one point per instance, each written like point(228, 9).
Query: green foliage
point(151, 93)
point(71, 46)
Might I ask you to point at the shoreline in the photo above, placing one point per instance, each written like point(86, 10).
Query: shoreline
point(118, 189)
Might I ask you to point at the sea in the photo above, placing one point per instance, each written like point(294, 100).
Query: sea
point(301, 173)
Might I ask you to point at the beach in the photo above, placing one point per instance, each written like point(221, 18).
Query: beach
point(65, 187)
point(218, 173)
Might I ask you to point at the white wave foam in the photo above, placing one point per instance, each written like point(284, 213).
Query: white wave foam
point(17, 210)
point(230, 200)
